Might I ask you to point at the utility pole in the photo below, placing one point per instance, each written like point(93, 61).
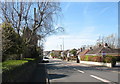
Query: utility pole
point(62, 43)
point(61, 47)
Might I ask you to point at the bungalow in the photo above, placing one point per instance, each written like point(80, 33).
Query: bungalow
point(103, 50)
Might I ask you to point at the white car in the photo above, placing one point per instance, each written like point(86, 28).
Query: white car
point(45, 59)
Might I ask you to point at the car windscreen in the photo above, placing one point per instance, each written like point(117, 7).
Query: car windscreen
point(46, 58)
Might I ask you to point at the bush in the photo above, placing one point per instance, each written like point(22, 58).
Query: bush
point(99, 59)
point(52, 54)
point(94, 59)
point(82, 58)
point(107, 59)
point(110, 59)
point(86, 58)
point(73, 51)
point(90, 58)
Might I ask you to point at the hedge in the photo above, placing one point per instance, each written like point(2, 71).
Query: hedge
point(106, 59)
point(19, 72)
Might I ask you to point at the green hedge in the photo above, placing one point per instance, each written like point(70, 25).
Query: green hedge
point(110, 59)
point(106, 59)
point(18, 70)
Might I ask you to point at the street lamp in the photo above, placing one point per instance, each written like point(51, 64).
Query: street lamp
point(61, 47)
point(62, 43)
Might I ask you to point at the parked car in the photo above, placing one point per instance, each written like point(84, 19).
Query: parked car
point(45, 59)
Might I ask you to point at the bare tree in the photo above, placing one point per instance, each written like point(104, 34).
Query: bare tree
point(111, 40)
point(39, 17)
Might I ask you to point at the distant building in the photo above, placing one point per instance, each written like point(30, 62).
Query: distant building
point(46, 53)
point(103, 49)
point(57, 53)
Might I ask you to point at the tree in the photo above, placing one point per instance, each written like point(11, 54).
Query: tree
point(111, 40)
point(35, 19)
point(73, 51)
point(11, 43)
point(40, 17)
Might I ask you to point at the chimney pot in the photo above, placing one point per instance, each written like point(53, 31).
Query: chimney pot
point(91, 48)
point(99, 45)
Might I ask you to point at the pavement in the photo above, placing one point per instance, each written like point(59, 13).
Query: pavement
point(71, 72)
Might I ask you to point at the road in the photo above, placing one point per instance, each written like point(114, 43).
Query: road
point(63, 71)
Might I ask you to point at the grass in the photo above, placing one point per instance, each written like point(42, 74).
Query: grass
point(11, 64)
point(29, 59)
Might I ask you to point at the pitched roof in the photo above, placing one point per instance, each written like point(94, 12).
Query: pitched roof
point(102, 49)
point(96, 50)
point(84, 52)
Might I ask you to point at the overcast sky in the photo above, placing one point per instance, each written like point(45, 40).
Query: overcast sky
point(84, 22)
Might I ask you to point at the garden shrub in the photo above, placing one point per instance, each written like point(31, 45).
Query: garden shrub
point(90, 58)
point(86, 58)
point(108, 59)
point(94, 59)
point(82, 58)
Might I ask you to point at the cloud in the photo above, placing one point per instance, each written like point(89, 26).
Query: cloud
point(104, 10)
point(85, 37)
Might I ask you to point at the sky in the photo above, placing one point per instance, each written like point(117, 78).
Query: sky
point(84, 22)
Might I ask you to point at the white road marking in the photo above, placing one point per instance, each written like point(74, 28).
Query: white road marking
point(103, 80)
point(79, 70)
point(116, 71)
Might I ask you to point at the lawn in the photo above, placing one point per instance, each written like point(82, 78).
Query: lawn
point(11, 64)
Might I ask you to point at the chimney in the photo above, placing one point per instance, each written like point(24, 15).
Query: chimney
point(91, 48)
point(105, 45)
point(83, 48)
point(99, 45)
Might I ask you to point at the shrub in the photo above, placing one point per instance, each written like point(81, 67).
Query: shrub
point(90, 58)
point(86, 58)
point(100, 59)
point(73, 51)
point(82, 58)
point(108, 59)
point(95, 58)
point(52, 54)
point(118, 58)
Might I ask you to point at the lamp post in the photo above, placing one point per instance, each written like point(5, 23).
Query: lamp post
point(61, 47)
point(62, 43)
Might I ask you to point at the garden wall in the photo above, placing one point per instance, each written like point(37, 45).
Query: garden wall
point(20, 73)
